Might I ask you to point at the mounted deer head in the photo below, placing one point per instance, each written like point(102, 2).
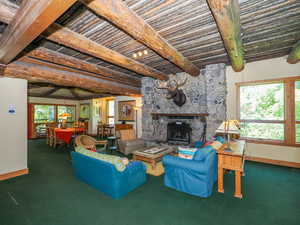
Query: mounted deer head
point(174, 92)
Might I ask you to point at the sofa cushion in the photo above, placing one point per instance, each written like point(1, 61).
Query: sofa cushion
point(115, 160)
point(202, 153)
point(186, 152)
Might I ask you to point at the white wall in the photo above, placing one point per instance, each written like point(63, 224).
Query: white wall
point(262, 70)
point(13, 132)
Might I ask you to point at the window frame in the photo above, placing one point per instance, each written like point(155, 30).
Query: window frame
point(55, 112)
point(107, 112)
point(289, 111)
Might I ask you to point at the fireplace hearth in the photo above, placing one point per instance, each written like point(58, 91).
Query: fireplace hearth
point(179, 132)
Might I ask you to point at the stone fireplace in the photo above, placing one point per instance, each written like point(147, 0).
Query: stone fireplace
point(179, 132)
point(203, 111)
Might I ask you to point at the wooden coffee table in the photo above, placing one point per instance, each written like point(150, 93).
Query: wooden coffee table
point(153, 158)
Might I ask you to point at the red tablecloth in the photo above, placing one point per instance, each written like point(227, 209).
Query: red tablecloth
point(66, 134)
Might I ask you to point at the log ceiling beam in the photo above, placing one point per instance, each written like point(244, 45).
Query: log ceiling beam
point(96, 70)
point(294, 55)
point(38, 73)
point(50, 92)
point(69, 38)
point(32, 18)
point(2, 68)
point(65, 36)
point(7, 11)
point(227, 17)
point(117, 12)
point(73, 92)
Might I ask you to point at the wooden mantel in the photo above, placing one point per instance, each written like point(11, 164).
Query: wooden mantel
point(156, 115)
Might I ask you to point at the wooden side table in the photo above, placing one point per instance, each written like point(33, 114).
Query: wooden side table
point(233, 160)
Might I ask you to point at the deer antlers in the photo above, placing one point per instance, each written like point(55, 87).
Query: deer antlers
point(168, 84)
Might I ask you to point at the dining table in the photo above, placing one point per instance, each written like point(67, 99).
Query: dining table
point(66, 134)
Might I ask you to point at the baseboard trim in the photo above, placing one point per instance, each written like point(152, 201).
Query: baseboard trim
point(13, 174)
point(273, 162)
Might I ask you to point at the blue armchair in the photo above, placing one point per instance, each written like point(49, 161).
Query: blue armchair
point(195, 177)
point(106, 178)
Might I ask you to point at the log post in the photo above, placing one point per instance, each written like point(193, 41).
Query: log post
point(227, 17)
point(294, 55)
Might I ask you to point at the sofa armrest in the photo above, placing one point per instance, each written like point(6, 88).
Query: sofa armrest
point(180, 163)
point(134, 166)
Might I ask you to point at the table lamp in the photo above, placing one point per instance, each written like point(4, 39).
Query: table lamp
point(229, 127)
point(64, 117)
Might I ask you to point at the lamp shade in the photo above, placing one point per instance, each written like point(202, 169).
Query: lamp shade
point(228, 127)
point(65, 115)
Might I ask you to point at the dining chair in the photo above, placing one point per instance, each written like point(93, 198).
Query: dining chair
point(56, 141)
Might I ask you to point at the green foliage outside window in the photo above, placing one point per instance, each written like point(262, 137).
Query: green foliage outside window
point(262, 102)
point(66, 109)
point(44, 113)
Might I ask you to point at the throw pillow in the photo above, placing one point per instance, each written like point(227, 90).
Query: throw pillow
point(202, 153)
point(220, 139)
point(115, 160)
point(216, 145)
point(198, 144)
point(186, 152)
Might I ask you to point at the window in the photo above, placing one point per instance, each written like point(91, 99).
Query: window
point(44, 113)
point(111, 111)
point(84, 111)
point(66, 109)
point(51, 113)
point(269, 111)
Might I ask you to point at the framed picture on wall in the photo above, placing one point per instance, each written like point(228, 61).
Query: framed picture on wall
point(84, 111)
point(126, 110)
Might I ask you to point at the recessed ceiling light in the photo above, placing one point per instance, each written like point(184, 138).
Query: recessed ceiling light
point(140, 53)
point(145, 52)
point(134, 55)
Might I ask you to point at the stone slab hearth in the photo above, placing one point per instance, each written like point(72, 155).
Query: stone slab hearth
point(205, 93)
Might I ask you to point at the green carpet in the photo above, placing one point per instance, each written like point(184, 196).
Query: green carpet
point(51, 195)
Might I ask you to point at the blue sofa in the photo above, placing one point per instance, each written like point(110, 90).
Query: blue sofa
point(105, 177)
point(196, 176)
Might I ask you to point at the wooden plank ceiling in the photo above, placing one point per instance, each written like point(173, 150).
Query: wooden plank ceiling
point(187, 29)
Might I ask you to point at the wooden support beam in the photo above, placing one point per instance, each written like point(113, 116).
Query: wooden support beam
point(33, 17)
point(96, 70)
point(227, 17)
point(69, 38)
point(74, 40)
point(7, 11)
point(50, 92)
point(73, 92)
point(2, 68)
point(294, 55)
point(38, 73)
point(117, 12)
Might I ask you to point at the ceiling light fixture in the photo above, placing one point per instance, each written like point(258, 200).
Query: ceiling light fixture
point(140, 53)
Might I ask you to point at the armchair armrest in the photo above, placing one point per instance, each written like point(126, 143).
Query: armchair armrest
point(100, 142)
point(196, 166)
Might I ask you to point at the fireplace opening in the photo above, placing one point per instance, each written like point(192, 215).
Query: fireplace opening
point(179, 132)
